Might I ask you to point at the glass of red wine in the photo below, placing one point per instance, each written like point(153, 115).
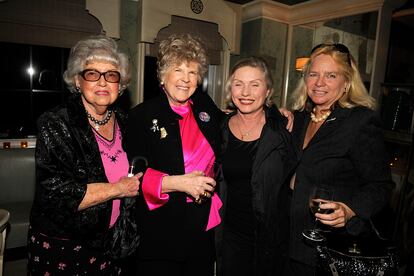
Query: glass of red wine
point(318, 197)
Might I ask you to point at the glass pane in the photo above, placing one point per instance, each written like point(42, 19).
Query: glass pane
point(43, 101)
point(151, 84)
point(47, 64)
point(15, 61)
point(397, 107)
point(15, 114)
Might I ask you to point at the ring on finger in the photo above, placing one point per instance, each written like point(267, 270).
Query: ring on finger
point(205, 194)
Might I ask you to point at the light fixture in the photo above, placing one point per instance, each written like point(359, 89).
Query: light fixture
point(300, 62)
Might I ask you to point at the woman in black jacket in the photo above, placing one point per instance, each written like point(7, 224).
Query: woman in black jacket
point(257, 158)
point(178, 132)
point(81, 167)
point(338, 138)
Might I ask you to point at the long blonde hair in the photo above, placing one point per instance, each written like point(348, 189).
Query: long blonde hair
point(356, 95)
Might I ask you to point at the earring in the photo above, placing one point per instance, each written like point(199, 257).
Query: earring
point(78, 90)
point(162, 83)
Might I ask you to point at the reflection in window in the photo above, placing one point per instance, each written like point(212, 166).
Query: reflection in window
point(48, 62)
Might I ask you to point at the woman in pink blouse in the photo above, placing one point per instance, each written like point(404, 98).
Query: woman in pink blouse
point(81, 167)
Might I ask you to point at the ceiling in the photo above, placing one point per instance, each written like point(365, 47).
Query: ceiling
point(287, 2)
point(403, 15)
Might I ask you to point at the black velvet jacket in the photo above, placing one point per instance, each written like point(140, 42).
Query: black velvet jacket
point(67, 159)
point(273, 165)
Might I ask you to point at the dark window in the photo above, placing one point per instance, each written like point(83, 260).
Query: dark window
point(151, 84)
point(30, 83)
point(14, 60)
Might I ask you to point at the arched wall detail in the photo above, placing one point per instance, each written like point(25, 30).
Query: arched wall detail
point(206, 31)
point(153, 15)
point(217, 47)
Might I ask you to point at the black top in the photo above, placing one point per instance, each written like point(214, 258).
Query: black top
point(271, 169)
point(237, 166)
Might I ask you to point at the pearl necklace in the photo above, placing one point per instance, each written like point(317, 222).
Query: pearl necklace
point(321, 118)
point(99, 123)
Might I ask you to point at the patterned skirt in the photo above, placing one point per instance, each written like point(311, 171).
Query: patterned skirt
point(50, 256)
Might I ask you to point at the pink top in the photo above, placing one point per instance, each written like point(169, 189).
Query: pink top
point(115, 163)
point(198, 155)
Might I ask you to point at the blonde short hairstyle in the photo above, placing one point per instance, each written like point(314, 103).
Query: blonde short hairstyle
point(255, 62)
point(356, 94)
point(179, 48)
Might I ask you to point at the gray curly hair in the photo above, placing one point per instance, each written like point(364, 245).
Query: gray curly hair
point(96, 48)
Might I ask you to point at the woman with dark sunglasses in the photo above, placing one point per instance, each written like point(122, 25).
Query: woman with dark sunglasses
point(81, 167)
point(338, 138)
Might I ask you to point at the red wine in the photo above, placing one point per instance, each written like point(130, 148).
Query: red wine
point(315, 207)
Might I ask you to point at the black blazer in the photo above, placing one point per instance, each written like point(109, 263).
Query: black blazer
point(273, 164)
point(348, 153)
point(67, 159)
point(171, 231)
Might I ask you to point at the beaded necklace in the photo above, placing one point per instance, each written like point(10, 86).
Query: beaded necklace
point(99, 123)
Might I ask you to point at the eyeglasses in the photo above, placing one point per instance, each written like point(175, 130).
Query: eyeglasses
point(337, 47)
point(94, 75)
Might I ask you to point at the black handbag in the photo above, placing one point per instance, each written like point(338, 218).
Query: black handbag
point(123, 237)
point(358, 256)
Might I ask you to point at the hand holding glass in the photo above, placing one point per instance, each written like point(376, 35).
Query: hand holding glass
point(318, 197)
point(212, 171)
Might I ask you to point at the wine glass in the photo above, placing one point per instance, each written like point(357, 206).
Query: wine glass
point(212, 170)
point(318, 196)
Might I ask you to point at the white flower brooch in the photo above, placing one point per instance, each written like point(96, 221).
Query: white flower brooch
point(156, 128)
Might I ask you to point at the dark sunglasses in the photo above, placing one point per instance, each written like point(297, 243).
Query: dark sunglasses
point(337, 47)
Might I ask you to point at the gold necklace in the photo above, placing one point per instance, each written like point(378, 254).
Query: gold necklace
point(321, 118)
point(246, 133)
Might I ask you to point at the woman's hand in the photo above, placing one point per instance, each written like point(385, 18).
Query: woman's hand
point(195, 184)
point(339, 217)
point(97, 193)
point(289, 116)
point(128, 186)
